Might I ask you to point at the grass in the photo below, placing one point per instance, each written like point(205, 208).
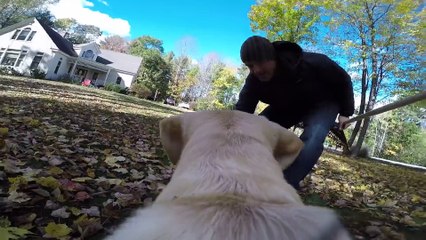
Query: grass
point(82, 159)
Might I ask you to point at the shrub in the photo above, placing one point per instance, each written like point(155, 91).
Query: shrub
point(113, 87)
point(139, 90)
point(37, 73)
point(8, 70)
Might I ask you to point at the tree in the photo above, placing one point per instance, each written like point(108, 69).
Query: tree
point(75, 32)
point(180, 81)
point(224, 91)
point(290, 20)
point(14, 11)
point(378, 34)
point(146, 45)
point(115, 43)
point(397, 135)
point(208, 67)
point(155, 75)
point(155, 71)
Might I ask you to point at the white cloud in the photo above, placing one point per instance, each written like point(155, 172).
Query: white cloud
point(103, 2)
point(79, 10)
point(87, 3)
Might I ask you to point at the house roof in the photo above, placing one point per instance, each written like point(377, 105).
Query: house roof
point(119, 61)
point(62, 44)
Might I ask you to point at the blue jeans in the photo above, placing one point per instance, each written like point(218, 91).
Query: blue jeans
point(316, 124)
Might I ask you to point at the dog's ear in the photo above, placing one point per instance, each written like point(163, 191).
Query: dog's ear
point(287, 147)
point(171, 137)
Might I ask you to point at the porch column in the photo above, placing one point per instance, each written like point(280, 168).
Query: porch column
point(109, 70)
point(73, 68)
point(4, 54)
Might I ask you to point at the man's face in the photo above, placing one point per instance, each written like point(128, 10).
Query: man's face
point(264, 70)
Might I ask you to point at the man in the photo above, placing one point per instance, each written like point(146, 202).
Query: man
point(299, 87)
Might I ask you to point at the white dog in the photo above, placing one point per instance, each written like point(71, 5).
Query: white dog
point(228, 184)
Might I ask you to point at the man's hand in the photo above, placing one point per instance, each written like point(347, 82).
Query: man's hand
point(342, 122)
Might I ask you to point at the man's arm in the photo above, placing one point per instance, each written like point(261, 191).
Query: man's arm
point(248, 98)
point(343, 85)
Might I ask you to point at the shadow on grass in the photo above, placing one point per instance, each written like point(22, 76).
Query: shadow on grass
point(74, 131)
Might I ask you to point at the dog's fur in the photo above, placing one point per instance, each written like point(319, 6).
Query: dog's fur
point(228, 184)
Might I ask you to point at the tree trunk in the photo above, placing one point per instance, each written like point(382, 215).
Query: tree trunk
point(361, 137)
point(364, 88)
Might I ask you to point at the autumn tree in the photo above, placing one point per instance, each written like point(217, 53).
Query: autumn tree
point(208, 68)
point(224, 90)
point(290, 20)
point(380, 38)
point(180, 78)
point(115, 43)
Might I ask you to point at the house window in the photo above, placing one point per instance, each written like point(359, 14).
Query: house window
point(23, 35)
point(16, 33)
point(88, 54)
point(70, 69)
point(36, 61)
point(118, 81)
point(58, 66)
point(95, 76)
point(10, 57)
point(31, 36)
point(21, 57)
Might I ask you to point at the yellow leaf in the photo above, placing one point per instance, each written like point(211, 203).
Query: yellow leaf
point(54, 230)
point(81, 179)
point(34, 123)
point(13, 233)
point(55, 170)
point(75, 211)
point(49, 182)
point(416, 198)
point(90, 172)
point(4, 132)
point(419, 214)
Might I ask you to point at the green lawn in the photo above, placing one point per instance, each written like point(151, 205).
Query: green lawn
point(75, 161)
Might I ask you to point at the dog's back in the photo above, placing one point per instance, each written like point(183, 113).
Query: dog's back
point(231, 218)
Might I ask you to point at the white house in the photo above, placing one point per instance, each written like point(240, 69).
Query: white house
point(31, 44)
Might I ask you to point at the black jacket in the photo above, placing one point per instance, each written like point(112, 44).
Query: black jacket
point(316, 80)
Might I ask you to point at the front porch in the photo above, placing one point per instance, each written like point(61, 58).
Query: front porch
point(81, 70)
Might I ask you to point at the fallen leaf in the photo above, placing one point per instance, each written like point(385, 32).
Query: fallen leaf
point(41, 192)
point(51, 205)
point(121, 170)
point(54, 230)
point(81, 179)
point(82, 196)
point(75, 211)
point(7, 233)
point(92, 211)
point(55, 170)
point(4, 132)
point(49, 182)
point(18, 197)
point(60, 213)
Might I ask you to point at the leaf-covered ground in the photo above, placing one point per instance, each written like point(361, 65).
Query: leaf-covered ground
point(76, 161)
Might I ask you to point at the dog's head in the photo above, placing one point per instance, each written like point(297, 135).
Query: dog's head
point(176, 131)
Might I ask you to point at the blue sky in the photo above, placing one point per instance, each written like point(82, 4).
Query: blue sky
point(216, 26)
